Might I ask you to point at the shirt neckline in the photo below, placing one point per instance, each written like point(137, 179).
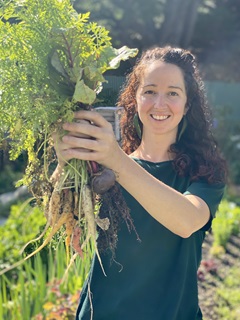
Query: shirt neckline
point(151, 162)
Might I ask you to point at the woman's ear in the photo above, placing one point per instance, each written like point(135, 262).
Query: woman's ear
point(186, 109)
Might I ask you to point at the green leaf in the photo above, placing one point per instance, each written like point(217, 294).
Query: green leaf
point(57, 65)
point(123, 54)
point(83, 93)
point(93, 74)
point(51, 58)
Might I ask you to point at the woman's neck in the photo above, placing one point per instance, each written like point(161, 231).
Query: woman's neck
point(153, 153)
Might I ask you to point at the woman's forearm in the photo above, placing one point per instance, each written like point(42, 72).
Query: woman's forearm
point(181, 214)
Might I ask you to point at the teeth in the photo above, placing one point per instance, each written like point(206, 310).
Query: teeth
point(159, 117)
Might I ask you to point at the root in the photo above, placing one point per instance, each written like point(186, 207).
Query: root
point(76, 212)
point(88, 210)
point(54, 230)
point(114, 207)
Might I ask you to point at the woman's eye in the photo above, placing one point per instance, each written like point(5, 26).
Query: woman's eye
point(173, 93)
point(149, 92)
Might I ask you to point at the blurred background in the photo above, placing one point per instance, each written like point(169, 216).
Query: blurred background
point(211, 30)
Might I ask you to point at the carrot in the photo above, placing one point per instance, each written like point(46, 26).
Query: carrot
point(53, 208)
point(88, 210)
point(62, 209)
point(76, 205)
point(76, 241)
point(63, 219)
point(68, 203)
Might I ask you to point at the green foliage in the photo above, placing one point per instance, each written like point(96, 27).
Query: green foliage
point(38, 292)
point(228, 296)
point(9, 179)
point(24, 224)
point(45, 286)
point(226, 223)
point(117, 16)
point(213, 13)
point(52, 61)
point(227, 135)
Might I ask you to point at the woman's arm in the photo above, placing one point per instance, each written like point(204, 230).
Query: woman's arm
point(181, 214)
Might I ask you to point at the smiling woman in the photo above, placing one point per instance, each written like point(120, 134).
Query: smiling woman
point(161, 103)
point(171, 177)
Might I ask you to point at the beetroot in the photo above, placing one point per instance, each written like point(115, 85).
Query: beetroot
point(103, 180)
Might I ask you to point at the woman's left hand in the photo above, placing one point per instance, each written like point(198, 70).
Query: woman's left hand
point(90, 137)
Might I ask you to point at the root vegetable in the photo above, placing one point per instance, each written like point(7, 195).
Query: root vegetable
point(76, 241)
point(60, 213)
point(103, 181)
point(62, 220)
point(53, 208)
point(88, 209)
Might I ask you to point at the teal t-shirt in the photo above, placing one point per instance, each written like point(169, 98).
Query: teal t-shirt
point(155, 278)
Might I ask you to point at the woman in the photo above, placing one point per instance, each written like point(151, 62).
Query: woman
point(172, 178)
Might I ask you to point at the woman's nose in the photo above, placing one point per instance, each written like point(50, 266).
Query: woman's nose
point(160, 101)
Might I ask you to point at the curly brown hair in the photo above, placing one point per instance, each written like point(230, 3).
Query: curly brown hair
point(196, 152)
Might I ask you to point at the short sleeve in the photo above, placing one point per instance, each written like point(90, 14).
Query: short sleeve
point(212, 194)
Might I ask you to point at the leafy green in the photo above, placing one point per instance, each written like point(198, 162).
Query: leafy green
point(52, 61)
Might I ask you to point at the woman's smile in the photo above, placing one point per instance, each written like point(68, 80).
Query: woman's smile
point(159, 118)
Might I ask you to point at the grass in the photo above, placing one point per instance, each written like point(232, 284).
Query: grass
point(39, 289)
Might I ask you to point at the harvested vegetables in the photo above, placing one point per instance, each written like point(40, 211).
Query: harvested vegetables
point(52, 62)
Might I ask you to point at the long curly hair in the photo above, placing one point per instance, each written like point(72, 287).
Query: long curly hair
point(196, 153)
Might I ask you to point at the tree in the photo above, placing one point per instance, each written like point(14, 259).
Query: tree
point(211, 28)
point(146, 23)
point(135, 22)
point(179, 22)
point(217, 39)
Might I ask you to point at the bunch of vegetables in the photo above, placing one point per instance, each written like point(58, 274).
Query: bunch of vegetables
point(52, 62)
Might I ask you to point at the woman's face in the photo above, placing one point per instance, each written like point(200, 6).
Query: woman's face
point(161, 99)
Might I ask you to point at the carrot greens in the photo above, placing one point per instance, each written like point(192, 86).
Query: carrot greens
point(52, 63)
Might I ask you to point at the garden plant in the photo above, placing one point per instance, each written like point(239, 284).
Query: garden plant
point(52, 64)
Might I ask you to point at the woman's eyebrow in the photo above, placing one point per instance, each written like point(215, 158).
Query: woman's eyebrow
point(154, 85)
point(176, 87)
point(149, 85)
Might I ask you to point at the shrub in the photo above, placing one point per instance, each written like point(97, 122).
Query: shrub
point(45, 286)
point(24, 224)
point(226, 223)
point(228, 296)
point(38, 291)
point(227, 135)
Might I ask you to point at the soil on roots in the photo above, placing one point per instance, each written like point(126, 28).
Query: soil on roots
point(113, 207)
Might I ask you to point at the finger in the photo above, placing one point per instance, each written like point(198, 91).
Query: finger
point(74, 128)
point(92, 116)
point(80, 143)
point(82, 129)
point(69, 153)
point(81, 154)
point(78, 134)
